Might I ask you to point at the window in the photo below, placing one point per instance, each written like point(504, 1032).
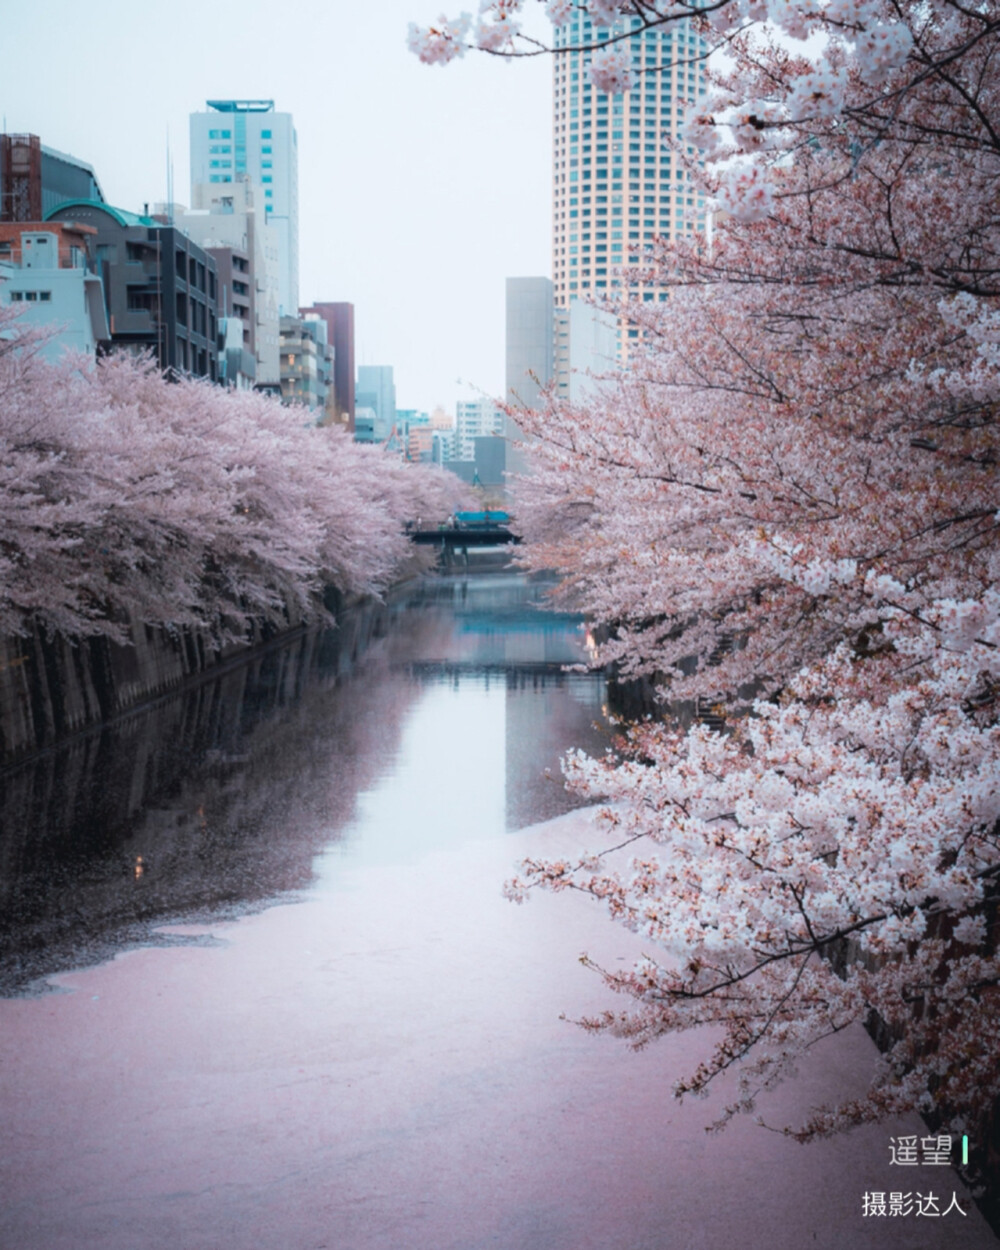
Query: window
point(139, 299)
point(45, 296)
point(266, 178)
point(16, 297)
point(265, 134)
point(266, 164)
point(266, 150)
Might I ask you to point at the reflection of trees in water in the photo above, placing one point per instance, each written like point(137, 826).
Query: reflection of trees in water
point(213, 799)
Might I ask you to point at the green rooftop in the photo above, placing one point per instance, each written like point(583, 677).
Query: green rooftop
point(121, 215)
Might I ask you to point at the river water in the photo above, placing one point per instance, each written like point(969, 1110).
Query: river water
point(261, 988)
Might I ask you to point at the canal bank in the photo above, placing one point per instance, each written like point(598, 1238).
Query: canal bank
point(52, 686)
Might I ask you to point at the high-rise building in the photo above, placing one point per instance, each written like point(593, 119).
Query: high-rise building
point(248, 137)
point(615, 184)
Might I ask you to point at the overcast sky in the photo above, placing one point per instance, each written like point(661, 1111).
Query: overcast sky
point(421, 188)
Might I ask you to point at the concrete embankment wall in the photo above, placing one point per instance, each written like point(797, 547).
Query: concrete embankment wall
point(53, 686)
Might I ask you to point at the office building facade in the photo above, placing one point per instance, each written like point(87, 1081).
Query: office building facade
point(234, 137)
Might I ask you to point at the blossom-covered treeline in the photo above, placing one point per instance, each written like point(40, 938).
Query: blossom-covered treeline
point(795, 482)
point(125, 497)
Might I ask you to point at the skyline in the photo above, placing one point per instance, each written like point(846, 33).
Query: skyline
point(396, 200)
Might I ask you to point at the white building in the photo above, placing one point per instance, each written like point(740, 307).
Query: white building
point(476, 418)
point(53, 287)
point(227, 215)
point(248, 137)
point(586, 346)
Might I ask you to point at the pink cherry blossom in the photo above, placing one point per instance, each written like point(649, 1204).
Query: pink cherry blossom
point(124, 498)
point(611, 69)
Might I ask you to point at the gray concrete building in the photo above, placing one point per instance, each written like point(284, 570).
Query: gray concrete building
point(529, 344)
point(160, 287)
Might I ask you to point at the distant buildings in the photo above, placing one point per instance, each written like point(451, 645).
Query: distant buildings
point(210, 291)
point(586, 345)
point(376, 390)
point(248, 137)
point(306, 364)
point(339, 320)
point(476, 418)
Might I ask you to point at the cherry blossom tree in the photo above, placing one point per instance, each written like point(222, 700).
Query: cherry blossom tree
point(124, 498)
point(787, 505)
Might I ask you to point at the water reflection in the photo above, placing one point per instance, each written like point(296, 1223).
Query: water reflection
point(425, 720)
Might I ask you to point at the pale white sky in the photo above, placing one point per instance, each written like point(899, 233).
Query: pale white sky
point(421, 188)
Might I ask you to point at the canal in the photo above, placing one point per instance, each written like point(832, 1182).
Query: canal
point(260, 988)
